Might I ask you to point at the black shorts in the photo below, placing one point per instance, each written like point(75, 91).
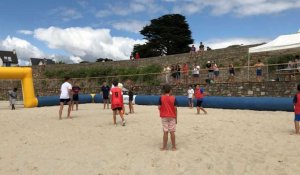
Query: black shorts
point(65, 100)
point(105, 97)
point(195, 75)
point(118, 108)
point(199, 103)
point(75, 97)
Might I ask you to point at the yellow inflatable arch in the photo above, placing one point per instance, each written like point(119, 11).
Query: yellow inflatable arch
point(25, 75)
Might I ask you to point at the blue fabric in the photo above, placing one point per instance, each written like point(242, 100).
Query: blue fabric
point(297, 117)
point(258, 72)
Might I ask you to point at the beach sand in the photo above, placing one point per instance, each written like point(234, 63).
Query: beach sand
point(226, 142)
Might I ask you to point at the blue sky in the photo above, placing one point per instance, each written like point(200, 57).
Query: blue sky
point(75, 30)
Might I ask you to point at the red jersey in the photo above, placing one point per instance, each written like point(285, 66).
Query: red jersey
point(116, 98)
point(199, 94)
point(185, 69)
point(297, 103)
point(167, 106)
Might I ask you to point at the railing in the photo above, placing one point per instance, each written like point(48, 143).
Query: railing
point(271, 72)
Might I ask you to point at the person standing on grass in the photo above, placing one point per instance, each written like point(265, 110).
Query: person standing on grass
point(168, 113)
point(105, 94)
point(65, 94)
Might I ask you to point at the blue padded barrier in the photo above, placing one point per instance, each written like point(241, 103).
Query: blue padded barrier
point(98, 98)
point(251, 103)
point(54, 100)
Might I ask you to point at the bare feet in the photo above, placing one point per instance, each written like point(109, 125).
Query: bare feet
point(163, 149)
point(295, 133)
point(174, 149)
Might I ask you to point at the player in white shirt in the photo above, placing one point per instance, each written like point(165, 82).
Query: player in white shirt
point(65, 97)
point(190, 96)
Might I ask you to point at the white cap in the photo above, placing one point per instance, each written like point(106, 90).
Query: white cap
point(208, 61)
point(120, 85)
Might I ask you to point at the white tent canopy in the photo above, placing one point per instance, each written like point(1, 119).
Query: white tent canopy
point(280, 43)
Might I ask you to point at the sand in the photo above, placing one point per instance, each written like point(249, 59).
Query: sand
point(229, 142)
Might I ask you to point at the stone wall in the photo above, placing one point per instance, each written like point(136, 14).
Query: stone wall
point(238, 55)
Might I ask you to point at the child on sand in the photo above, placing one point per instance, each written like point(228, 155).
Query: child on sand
point(297, 109)
point(199, 94)
point(168, 113)
point(75, 99)
point(65, 94)
point(13, 98)
point(190, 96)
point(105, 94)
point(130, 94)
point(117, 102)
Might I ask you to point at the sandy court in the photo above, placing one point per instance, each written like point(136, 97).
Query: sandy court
point(229, 142)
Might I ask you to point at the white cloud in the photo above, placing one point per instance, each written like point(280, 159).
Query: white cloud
point(66, 14)
point(87, 43)
point(24, 49)
point(236, 7)
point(75, 59)
point(130, 26)
point(223, 43)
point(132, 7)
point(25, 32)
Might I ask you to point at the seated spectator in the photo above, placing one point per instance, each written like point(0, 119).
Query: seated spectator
point(208, 48)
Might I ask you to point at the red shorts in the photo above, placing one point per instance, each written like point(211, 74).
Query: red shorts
point(169, 124)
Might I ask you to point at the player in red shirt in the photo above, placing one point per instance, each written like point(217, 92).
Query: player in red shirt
point(168, 113)
point(117, 102)
point(297, 109)
point(199, 95)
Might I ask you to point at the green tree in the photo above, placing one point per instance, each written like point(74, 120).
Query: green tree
point(166, 35)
